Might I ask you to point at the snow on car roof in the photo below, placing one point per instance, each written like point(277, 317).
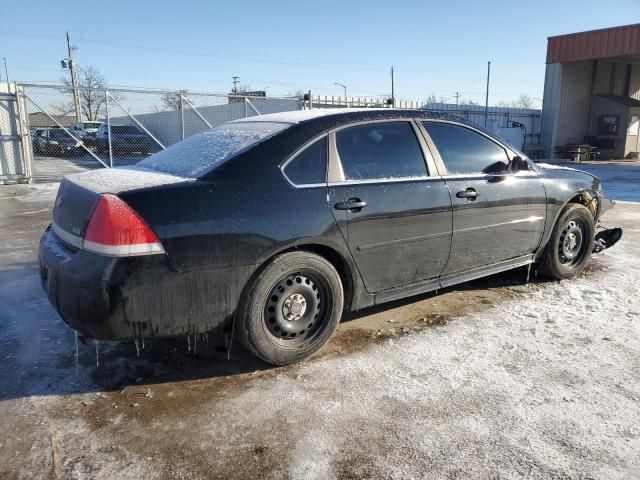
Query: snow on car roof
point(297, 116)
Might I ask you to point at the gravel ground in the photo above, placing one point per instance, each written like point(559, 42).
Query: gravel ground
point(494, 379)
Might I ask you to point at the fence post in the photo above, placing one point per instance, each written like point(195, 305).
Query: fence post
point(246, 111)
point(182, 115)
point(106, 99)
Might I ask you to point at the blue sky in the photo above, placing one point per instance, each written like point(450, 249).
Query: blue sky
point(436, 47)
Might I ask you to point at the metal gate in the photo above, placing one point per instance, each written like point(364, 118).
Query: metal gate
point(15, 148)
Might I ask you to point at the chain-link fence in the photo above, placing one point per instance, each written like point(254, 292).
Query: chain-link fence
point(77, 129)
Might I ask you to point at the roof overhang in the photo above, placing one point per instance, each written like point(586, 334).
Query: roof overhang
point(612, 43)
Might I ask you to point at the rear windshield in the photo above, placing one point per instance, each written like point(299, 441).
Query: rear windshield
point(199, 154)
point(92, 124)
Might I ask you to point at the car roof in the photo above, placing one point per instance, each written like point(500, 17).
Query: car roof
point(340, 116)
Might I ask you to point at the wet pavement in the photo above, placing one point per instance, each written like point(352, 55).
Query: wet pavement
point(376, 402)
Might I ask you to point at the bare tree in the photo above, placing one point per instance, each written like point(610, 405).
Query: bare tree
point(296, 93)
point(523, 101)
point(91, 89)
point(172, 100)
point(468, 102)
point(432, 98)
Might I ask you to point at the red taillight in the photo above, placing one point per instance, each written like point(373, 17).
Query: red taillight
point(116, 229)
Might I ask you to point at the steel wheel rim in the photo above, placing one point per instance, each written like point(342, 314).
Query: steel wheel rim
point(572, 243)
point(297, 309)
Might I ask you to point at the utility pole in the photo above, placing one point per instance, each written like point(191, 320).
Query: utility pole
point(74, 78)
point(393, 92)
point(486, 100)
point(457, 95)
point(236, 80)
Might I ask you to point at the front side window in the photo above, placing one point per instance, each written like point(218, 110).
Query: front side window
point(310, 165)
point(465, 151)
point(380, 151)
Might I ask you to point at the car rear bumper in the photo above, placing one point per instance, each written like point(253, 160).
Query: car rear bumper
point(109, 298)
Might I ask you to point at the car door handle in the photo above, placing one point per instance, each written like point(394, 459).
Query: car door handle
point(353, 205)
point(469, 194)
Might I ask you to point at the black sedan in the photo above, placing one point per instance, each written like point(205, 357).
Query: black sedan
point(276, 225)
point(56, 141)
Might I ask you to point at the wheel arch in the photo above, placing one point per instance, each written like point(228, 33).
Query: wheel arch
point(346, 270)
point(584, 197)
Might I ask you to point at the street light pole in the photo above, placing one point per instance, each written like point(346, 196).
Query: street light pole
point(343, 86)
point(486, 100)
point(393, 91)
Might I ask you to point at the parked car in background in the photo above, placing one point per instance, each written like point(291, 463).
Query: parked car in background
point(57, 142)
point(35, 139)
point(85, 131)
point(273, 226)
point(124, 139)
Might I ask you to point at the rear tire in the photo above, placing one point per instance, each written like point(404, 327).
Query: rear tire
point(570, 245)
point(291, 309)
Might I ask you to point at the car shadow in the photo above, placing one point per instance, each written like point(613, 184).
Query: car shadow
point(40, 357)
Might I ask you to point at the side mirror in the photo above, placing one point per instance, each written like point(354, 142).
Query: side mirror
point(519, 164)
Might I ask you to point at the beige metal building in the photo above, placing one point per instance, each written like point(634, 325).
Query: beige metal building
point(592, 92)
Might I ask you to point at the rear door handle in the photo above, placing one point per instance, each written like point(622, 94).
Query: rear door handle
point(469, 194)
point(353, 205)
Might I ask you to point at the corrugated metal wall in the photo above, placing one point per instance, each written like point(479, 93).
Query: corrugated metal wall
point(568, 95)
point(619, 78)
point(551, 101)
point(611, 77)
point(608, 42)
point(572, 116)
point(634, 82)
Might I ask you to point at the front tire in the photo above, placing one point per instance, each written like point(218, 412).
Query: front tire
point(291, 309)
point(570, 245)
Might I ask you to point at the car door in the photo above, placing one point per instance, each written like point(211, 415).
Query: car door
point(498, 214)
point(392, 209)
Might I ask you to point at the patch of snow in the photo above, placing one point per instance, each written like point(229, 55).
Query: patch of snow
point(545, 383)
point(297, 116)
point(121, 179)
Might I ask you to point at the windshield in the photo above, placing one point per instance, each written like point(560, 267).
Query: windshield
point(198, 154)
point(92, 124)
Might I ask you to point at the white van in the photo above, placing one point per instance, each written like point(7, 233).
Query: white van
point(85, 130)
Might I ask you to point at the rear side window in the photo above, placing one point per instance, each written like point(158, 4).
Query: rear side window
point(379, 151)
point(310, 165)
point(464, 151)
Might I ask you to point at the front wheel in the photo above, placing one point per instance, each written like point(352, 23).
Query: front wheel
point(291, 309)
point(570, 245)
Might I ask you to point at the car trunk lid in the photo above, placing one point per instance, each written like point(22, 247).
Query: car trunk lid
point(78, 194)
